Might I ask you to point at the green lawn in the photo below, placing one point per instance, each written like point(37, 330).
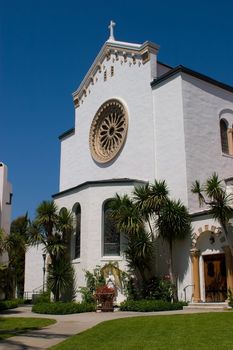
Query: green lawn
point(10, 326)
point(209, 331)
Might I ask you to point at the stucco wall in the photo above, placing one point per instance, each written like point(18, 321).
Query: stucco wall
point(91, 200)
point(170, 159)
point(33, 269)
point(203, 104)
point(131, 84)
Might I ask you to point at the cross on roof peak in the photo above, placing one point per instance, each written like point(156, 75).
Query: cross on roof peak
point(111, 26)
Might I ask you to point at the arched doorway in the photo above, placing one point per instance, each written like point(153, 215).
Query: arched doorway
point(215, 278)
point(212, 265)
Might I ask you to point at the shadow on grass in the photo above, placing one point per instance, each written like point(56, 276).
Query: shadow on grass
point(12, 343)
point(7, 333)
point(12, 312)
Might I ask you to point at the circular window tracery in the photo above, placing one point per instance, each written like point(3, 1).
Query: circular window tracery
point(108, 131)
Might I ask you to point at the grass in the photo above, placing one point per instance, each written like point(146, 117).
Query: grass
point(181, 332)
point(11, 326)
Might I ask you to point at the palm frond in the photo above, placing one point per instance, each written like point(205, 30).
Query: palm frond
point(198, 189)
point(214, 188)
point(125, 214)
point(174, 222)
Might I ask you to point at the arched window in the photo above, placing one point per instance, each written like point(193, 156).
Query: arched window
point(224, 138)
point(111, 234)
point(77, 212)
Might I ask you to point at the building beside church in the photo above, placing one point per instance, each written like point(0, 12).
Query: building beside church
point(5, 204)
point(136, 120)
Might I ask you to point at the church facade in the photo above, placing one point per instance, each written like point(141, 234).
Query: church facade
point(136, 120)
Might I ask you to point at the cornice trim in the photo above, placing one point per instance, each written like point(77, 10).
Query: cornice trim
point(122, 181)
point(67, 133)
point(106, 48)
point(182, 69)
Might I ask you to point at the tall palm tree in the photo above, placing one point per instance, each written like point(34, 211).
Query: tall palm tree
point(139, 253)
point(65, 226)
point(130, 222)
point(126, 215)
point(150, 207)
point(213, 195)
point(53, 230)
point(60, 279)
point(46, 218)
point(174, 224)
point(15, 244)
point(149, 199)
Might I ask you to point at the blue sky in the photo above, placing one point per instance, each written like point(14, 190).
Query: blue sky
point(46, 47)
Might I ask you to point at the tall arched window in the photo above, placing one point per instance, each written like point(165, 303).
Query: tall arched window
point(224, 137)
point(111, 234)
point(77, 212)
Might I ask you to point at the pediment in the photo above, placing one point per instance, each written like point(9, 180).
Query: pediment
point(114, 50)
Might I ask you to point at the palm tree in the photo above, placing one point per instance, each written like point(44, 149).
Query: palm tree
point(139, 253)
point(46, 218)
point(15, 245)
point(126, 215)
point(149, 199)
point(213, 194)
point(53, 230)
point(150, 207)
point(65, 225)
point(173, 224)
point(130, 222)
point(61, 279)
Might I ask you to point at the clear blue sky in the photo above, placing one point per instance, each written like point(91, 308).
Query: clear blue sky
point(47, 46)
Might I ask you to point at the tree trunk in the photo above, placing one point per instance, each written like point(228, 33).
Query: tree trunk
point(56, 295)
point(171, 273)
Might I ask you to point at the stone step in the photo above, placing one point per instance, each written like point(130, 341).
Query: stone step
point(204, 306)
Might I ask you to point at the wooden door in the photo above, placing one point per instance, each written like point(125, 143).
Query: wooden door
point(215, 278)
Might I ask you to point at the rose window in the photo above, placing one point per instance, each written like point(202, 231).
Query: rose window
point(108, 131)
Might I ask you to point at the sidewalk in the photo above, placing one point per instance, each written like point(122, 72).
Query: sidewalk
point(66, 326)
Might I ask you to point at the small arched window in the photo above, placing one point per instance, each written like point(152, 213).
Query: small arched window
point(77, 212)
point(224, 137)
point(111, 234)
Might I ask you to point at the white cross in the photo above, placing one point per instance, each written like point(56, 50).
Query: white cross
point(111, 26)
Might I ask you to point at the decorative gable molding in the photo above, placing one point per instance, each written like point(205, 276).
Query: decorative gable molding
point(114, 50)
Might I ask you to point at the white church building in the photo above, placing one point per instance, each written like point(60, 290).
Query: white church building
point(136, 120)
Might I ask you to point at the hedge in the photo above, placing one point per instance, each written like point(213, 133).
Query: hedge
point(8, 304)
point(59, 308)
point(150, 305)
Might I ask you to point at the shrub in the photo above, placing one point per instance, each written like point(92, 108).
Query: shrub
point(87, 295)
point(8, 304)
point(150, 305)
point(159, 288)
point(60, 308)
point(43, 297)
point(230, 297)
point(22, 301)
